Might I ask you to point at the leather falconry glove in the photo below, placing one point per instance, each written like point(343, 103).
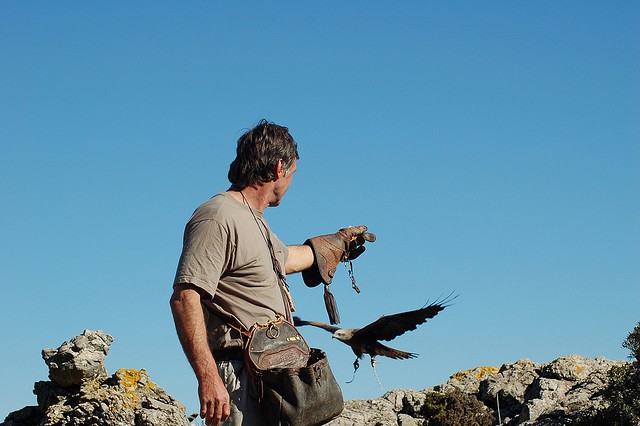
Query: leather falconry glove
point(329, 250)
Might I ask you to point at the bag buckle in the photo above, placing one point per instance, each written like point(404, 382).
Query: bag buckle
point(273, 332)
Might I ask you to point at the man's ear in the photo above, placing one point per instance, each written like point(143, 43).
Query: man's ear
point(280, 171)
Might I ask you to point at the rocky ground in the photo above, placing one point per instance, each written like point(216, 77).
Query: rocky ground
point(527, 393)
point(81, 392)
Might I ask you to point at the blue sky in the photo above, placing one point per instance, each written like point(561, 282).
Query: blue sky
point(493, 147)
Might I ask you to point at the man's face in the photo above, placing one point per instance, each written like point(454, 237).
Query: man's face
point(282, 184)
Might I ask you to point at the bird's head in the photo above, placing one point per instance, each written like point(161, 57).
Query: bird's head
point(342, 335)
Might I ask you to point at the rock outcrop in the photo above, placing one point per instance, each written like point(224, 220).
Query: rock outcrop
point(520, 393)
point(81, 392)
point(78, 360)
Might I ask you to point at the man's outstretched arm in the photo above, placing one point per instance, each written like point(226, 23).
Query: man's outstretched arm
point(192, 332)
point(299, 259)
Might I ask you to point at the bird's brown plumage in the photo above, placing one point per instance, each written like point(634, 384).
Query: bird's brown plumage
point(365, 340)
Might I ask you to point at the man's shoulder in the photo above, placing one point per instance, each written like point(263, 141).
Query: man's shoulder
point(221, 208)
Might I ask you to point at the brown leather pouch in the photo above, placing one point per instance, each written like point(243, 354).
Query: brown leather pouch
point(276, 344)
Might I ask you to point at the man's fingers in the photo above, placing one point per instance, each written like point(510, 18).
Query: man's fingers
point(359, 232)
point(214, 412)
point(206, 412)
point(203, 409)
point(356, 252)
point(360, 240)
point(226, 412)
point(219, 412)
point(217, 416)
point(355, 242)
point(369, 236)
point(353, 231)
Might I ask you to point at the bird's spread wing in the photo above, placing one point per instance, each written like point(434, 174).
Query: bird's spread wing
point(391, 326)
point(330, 328)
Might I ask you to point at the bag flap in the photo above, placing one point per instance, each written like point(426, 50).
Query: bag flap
point(277, 344)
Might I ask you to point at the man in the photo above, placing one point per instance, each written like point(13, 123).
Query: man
point(231, 273)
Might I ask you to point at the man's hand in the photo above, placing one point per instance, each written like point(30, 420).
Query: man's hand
point(354, 238)
point(214, 400)
point(329, 250)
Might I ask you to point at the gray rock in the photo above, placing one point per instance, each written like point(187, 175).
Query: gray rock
point(508, 387)
point(80, 393)
point(543, 388)
point(79, 359)
point(528, 393)
point(571, 368)
point(378, 412)
point(412, 403)
point(469, 381)
point(407, 420)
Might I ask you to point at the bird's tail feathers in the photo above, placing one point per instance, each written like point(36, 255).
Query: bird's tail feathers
point(394, 353)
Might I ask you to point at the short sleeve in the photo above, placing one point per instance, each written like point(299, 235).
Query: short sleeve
point(204, 255)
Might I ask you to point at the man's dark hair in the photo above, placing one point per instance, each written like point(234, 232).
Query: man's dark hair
point(258, 152)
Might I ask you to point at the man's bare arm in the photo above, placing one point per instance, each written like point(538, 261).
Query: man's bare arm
point(192, 332)
point(299, 259)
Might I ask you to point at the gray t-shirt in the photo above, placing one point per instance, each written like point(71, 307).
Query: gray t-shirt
point(225, 253)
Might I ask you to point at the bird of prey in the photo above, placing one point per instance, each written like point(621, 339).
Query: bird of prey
point(365, 340)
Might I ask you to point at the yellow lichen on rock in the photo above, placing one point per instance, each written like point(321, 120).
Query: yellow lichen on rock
point(129, 378)
point(477, 372)
point(130, 381)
